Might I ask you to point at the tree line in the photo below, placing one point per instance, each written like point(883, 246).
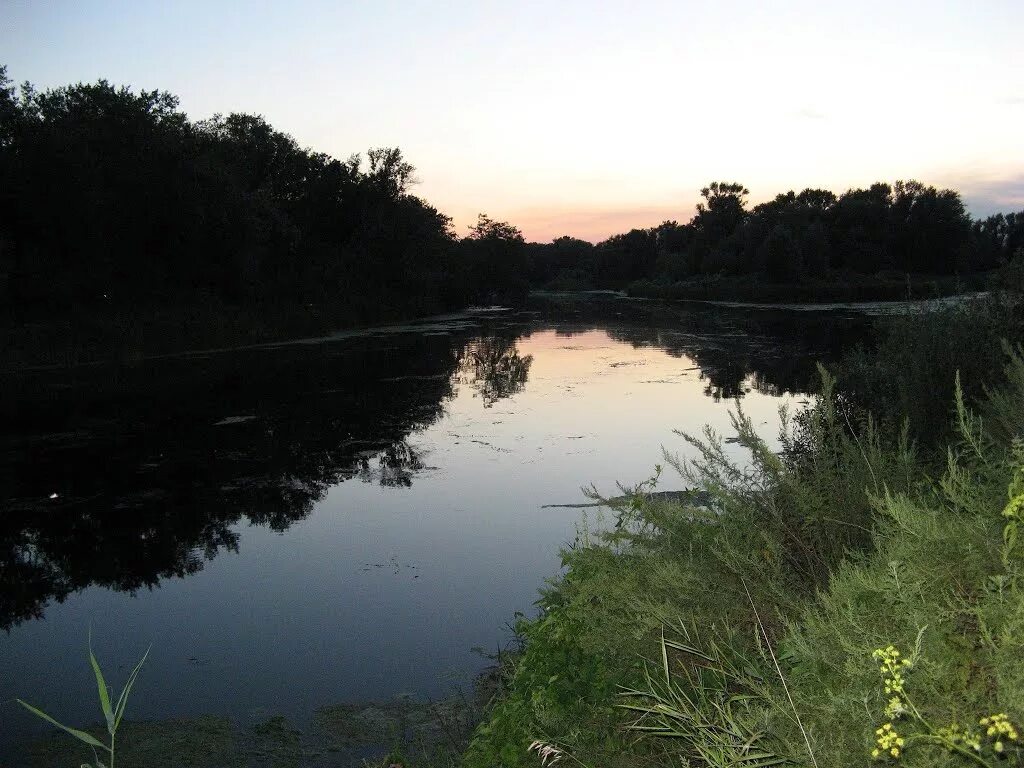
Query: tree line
point(112, 199)
point(906, 227)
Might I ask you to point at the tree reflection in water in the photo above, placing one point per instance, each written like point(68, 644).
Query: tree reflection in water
point(152, 479)
point(394, 467)
point(155, 465)
point(494, 368)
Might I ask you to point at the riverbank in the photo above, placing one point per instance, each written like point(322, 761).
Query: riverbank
point(129, 334)
point(840, 287)
point(854, 598)
point(805, 567)
point(338, 736)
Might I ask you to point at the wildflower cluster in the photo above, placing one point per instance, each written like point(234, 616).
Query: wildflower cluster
point(1000, 728)
point(954, 737)
point(892, 668)
point(888, 742)
point(1014, 510)
point(895, 708)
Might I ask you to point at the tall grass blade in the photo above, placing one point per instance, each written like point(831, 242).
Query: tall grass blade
point(122, 700)
point(782, 678)
point(688, 649)
point(80, 735)
point(664, 658)
point(101, 686)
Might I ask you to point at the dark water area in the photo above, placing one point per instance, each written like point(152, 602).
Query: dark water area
point(345, 519)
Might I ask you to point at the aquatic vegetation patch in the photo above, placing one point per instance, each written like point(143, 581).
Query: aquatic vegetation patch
point(202, 742)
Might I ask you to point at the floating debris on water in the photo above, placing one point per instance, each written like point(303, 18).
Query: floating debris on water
point(233, 420)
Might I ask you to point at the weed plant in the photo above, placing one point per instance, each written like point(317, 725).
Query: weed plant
point(754, 630)
point(907, 378)
point(112, 713)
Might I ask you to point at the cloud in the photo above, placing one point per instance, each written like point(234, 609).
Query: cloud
point(984, 197)
point(809, 113)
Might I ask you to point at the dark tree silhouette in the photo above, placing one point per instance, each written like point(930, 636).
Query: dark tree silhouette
point(118, 211)
point(124, 224)
point(868, 240)
point(493, 259)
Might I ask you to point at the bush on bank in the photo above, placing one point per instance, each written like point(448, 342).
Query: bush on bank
point(855, 594)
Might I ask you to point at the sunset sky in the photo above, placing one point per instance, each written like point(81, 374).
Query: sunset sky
point(582, 118)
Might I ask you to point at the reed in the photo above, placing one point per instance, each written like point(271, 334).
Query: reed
point(112, 712)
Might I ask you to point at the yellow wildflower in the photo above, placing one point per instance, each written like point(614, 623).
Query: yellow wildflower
point(888, 742)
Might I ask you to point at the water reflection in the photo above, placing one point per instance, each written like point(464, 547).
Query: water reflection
point(124, 478)
point(737, 350)
point(492, 366)
point(151, 474)
point(394, 467)
point(149, 486)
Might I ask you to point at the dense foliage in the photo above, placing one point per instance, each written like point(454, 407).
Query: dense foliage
point(852, 597)
point(114, 201)
point(884, 232)
point(119, 213)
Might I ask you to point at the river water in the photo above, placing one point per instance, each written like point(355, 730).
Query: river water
point(346, 519)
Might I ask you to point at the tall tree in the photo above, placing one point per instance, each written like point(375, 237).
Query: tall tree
point(494, 253)
point(723, 210)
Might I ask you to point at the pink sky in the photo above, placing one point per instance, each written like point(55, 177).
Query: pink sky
point(583, 117)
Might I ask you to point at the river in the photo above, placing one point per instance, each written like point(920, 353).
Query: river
point(346, 519)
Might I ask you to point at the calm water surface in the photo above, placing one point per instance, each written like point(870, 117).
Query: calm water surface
point(344, 520)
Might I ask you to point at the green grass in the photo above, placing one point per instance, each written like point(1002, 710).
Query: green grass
point(747, 632)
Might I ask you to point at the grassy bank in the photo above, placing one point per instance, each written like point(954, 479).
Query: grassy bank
point(855, 598)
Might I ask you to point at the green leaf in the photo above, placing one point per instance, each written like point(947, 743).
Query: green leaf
point(89, 739)
point(101, 685)
point(122, 700)
point(687, 649)
point(664, 657)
